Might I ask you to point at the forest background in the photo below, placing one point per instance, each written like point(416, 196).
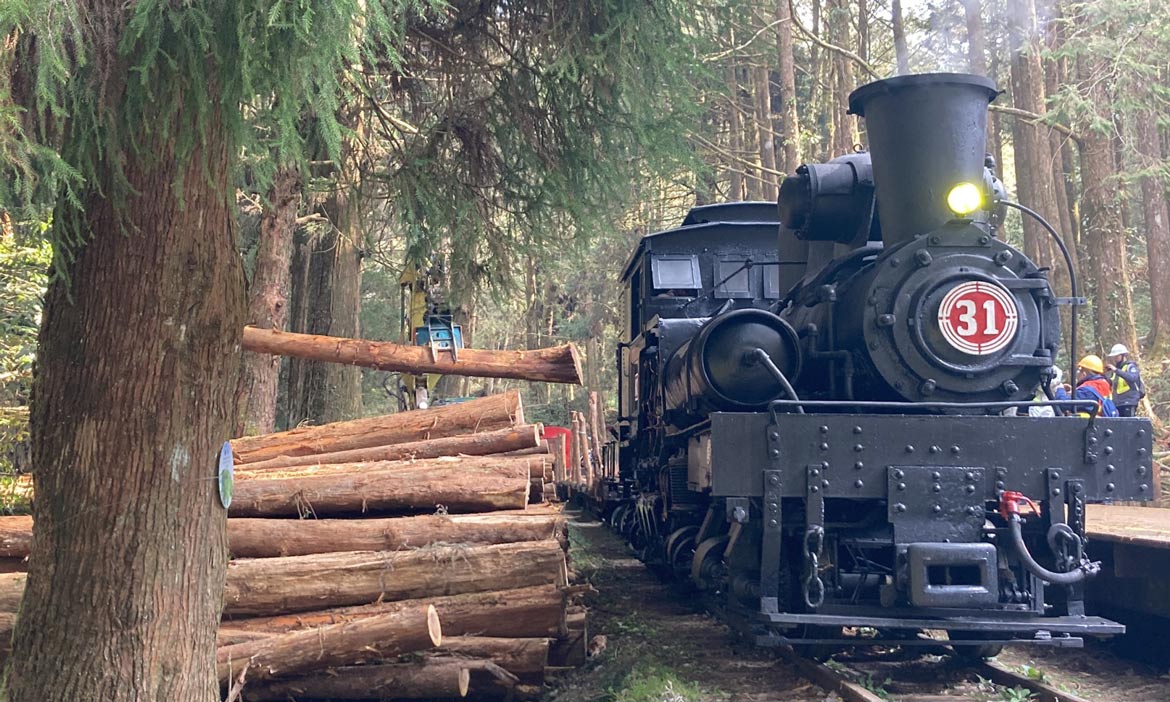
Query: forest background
point(524, 170)
point(170, 171)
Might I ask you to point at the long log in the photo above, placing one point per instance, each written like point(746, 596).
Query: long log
point(268, 538)
point(512, 440)
point(480, 415)
point(266, 586)
point(384, 635)
point(15, 536)
point(533, 466)
point(11, 591)
point(530, 612)
point(559, 364)
point(426, 679)
point(541, 449)
point(454, 489)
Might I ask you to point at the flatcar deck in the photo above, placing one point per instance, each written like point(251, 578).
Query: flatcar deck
point(1139, 526)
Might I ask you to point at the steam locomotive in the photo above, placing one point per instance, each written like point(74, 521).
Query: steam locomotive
point(815, 430)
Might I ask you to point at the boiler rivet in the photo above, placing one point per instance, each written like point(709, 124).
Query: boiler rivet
point(859, 447)
point(936, 509)
point(859, 483)
point(859, 465)
point(900, 507)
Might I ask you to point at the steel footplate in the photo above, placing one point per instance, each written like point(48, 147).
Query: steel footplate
point(1088, 626)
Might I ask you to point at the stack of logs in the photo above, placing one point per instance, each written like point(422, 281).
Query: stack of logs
point(582, 447)
point(334, 592)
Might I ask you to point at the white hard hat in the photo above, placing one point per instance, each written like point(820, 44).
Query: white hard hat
point(1118, 350)
point(1057, 375)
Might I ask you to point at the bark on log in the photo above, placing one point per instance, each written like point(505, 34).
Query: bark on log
point(456, 489)
point(572, 649)
point(268, 538)
point(266, 586)
point(559, 364)
point(479, 415)
point(427, 679)
point(541, 449)
point(381, 636)
point(15, 536)
point(530, 612)
point(524, 658)
point(512, 441)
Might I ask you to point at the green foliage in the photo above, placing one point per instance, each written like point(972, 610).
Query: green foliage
point(24, 265)
point(101, 87)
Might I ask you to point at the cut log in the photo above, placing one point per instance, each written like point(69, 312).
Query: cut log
point(556, 446)
point(268, 538)
point(480, 415)
point(559, 364)
point(454, 489)
point(540, 449)
point(511, 441)
point(536, 491)
point(11, 591)
point(266, 586)
point(533, 466)
point(381, 636)
point(425, 679)
point(530, 612)
point(15, 536)
point(524, 658)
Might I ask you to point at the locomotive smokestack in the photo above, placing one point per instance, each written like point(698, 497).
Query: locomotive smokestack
point(927, 134)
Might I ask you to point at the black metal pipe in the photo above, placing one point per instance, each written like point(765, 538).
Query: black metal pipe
point(1074, 288)
point(1072, 577)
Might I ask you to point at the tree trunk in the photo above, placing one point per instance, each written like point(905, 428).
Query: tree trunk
point(1157, 221)
point(901, 53)
point(130, 544)
point(482, 414)
point(764, 137)
point(735, 191)
point(1104, 237)
point(383, 635)
point(266, 586)
point(976, 36)
point(268, 299)
point(510, 440)
point(457, 489)
point(559, 364)
point(789, 118)
point(523, 613)
point(427, 679)
point(1033, 157)
point(327, 302)
point(844, 125)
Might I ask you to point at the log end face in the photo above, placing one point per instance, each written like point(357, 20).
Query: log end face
point(464, 681)
point(434, 629)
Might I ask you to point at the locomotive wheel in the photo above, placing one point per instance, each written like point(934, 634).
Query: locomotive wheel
point(974, 652)
point(708, 555)
point(615, 517)
point(680, 547)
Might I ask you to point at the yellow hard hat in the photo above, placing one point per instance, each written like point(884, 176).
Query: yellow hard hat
point(1093, 363)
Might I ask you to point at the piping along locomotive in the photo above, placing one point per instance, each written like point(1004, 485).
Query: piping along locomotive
point(813, 430)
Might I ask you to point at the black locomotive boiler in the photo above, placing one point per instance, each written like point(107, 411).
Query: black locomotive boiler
point(814, 429)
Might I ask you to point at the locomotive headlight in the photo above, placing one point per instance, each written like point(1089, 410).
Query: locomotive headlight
point(964, 199)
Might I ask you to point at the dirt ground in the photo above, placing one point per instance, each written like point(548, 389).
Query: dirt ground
point(657, 648)
point(652, 645)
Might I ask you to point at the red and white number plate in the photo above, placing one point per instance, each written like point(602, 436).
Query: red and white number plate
point(978, 318)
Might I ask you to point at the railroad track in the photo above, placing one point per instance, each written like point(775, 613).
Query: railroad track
point(940, 680)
